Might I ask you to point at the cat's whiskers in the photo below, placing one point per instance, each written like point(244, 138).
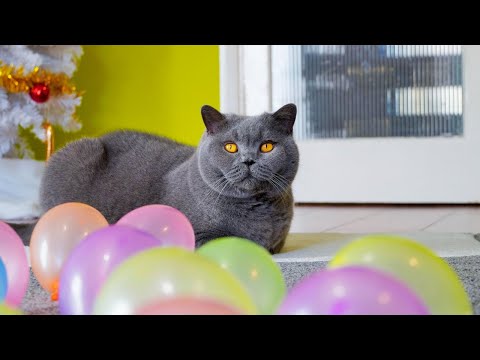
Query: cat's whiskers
point(218, 186)
point(213, 188)
point(282, 179)
point(220, 193)
point(279, 183)
point(280, 188)
point(271, 182)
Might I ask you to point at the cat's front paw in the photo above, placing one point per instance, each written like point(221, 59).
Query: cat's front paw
point(277, 248)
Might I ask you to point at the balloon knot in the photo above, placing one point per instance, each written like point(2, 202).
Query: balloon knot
point(54, 295)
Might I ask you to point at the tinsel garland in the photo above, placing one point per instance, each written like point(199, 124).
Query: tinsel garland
point(15, 81)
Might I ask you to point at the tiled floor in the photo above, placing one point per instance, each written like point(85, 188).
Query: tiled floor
point(371, 219)
point(318, 232)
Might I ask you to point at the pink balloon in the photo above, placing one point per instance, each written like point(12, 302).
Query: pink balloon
point(14, 257)
point(351, 290)
point(164, 222)
point(187, 306)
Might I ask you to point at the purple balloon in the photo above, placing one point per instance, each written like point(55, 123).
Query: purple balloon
point(351, 290)
point(92, 261)
point(164, 222)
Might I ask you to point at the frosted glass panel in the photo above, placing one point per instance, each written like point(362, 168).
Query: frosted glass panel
point(349, 91)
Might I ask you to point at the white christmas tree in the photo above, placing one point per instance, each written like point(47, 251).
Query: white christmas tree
point(35, 90)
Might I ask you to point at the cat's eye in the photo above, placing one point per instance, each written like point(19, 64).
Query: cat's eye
point(266, 147)
point(231, 147)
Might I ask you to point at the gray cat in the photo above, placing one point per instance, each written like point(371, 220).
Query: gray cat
point(236, 183)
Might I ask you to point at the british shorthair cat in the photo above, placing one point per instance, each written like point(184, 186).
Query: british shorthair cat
point(237, 182)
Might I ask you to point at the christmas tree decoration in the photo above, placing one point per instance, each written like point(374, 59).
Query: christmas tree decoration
point(36, 93)
point(39, 93)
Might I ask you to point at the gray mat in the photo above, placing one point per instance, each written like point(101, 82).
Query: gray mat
point(466, 267)
point(37, 301)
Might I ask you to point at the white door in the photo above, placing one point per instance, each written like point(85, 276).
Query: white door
point(376, 124)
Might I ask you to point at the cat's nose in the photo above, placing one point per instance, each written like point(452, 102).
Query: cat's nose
point(249, 162)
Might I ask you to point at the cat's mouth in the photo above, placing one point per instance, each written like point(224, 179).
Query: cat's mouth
point(249, 180)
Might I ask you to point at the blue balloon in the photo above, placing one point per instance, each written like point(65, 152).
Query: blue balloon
point(3, 281)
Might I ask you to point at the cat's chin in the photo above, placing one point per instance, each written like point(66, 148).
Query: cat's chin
point(247, 187)
point(248, 184)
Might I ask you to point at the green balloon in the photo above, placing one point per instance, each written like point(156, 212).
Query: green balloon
point(253, 266)
point(429, 276)
point(163, 273)
point(7, 310)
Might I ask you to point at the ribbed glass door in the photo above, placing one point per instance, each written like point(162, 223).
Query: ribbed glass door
point(359, 91)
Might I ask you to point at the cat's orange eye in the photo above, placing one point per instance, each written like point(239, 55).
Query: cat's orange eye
point(266, 147)
point(231, 147)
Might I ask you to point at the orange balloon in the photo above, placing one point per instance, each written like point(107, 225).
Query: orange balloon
point(55, 235)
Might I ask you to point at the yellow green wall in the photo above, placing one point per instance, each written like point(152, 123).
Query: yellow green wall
point(156, 88)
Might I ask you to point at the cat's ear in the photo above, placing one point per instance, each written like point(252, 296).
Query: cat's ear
point(212, 118)
point(285, 117)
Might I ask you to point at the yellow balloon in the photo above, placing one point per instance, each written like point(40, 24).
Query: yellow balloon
point(7, 310)
point(429, 276)
point(163, 273)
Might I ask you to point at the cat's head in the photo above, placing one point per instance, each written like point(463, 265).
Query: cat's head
point(242, 156)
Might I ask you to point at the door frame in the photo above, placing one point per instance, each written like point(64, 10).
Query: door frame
point(245, 81)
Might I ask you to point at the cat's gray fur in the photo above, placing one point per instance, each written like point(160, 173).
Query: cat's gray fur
point(246, 194)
